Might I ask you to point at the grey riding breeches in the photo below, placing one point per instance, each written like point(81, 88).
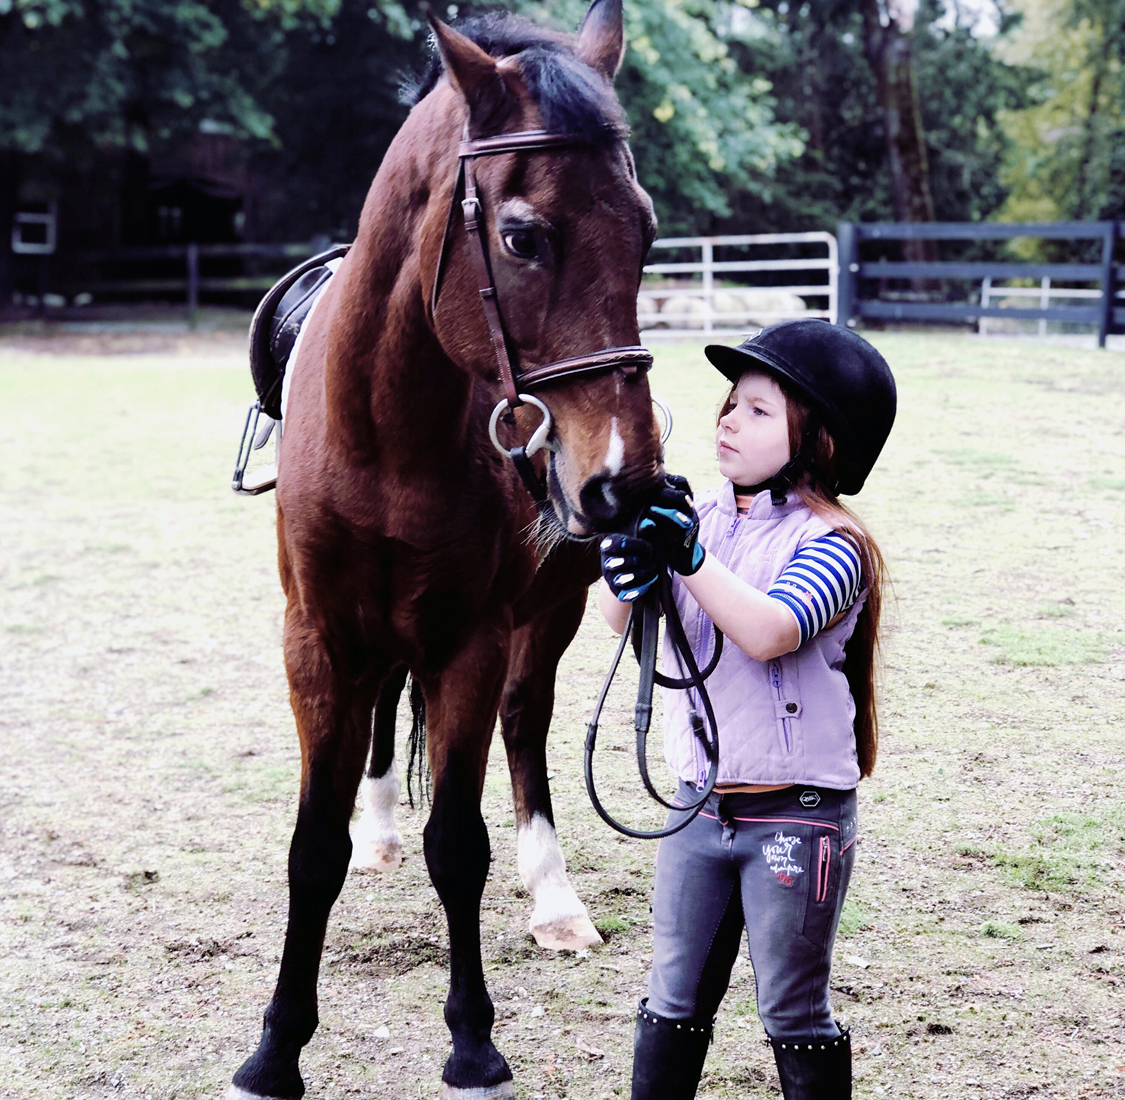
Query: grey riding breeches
point(776, 864)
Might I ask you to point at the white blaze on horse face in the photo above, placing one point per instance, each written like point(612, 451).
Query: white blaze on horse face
point(376, 842)
point(616, 453)
point(559, 920)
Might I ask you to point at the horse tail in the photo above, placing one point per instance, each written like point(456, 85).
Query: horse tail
point(419, 768)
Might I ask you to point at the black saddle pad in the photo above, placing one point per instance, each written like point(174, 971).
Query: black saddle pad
point(277, 323)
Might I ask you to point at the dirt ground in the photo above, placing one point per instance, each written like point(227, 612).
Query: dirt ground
point(150, 767)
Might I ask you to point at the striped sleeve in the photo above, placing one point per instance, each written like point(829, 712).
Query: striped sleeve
point(821, 580)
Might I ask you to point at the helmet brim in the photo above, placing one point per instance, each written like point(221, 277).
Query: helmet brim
point(733, 363)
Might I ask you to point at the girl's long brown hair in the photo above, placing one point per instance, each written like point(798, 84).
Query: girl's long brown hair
point(862, 651)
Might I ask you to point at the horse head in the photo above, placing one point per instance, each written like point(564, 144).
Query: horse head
point(563, 229)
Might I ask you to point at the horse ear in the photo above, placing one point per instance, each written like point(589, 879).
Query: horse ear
point(472, 71)
point(601, 38)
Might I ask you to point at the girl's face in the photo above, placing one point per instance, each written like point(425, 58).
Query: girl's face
point(753, 437)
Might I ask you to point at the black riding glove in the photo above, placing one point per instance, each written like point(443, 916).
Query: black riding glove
point(671, 525)
point(630, 566)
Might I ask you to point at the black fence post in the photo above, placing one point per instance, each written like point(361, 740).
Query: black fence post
point(192, 285)
point(1109, 283)
point(847, 278)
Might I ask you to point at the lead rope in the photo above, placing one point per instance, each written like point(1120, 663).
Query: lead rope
point(642, 626)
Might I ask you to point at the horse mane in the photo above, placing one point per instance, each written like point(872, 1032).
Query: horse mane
point(573, 98)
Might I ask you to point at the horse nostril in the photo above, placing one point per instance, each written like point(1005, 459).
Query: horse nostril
point(599, 500)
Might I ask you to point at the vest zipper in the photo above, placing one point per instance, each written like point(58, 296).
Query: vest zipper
point(702, 622)
point(775, 680)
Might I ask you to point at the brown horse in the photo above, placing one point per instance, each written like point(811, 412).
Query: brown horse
point(406, 541)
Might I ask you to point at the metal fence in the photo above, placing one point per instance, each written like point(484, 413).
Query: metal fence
point(724, 286)
point(766, 280)
point(866, 293)
point(726, 296)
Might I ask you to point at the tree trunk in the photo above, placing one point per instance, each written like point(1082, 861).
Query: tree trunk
point(890, 52)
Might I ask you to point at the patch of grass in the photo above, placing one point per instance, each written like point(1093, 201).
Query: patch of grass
point(959, 620)
point(854, 917)
point(612, 925)
point(1070, 850)
point(985, 500)
point(1044, 645)
point(23, 628)
point(1035, 870)
point(980, 460)
point(1114, 484)
point(1060, 610)
point(999, 930)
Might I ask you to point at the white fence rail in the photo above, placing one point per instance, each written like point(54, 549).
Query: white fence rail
point(1044, 292)
point(688, 300)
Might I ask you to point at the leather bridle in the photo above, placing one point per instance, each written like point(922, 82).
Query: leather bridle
point(517, 383)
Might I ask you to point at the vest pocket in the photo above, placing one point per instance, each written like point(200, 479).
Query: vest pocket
point(786, 707)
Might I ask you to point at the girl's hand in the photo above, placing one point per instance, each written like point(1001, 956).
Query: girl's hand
point(630, 566)
point(671, 525)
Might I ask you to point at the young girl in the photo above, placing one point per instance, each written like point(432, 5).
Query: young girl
point(793, 580)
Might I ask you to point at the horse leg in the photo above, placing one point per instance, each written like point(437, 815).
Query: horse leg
point(376, 841)
point(334, 723)
point(559, 920)
point(461, 705)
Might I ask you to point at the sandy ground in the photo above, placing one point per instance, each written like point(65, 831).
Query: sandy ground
point(150, 761)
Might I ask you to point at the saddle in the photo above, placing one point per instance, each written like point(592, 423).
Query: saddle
point(274, 332)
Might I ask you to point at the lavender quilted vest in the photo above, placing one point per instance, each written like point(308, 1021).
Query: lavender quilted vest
point(789, 720)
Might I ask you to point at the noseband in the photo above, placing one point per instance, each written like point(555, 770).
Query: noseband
point(517, 384)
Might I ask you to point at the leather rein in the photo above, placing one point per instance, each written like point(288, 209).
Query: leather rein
point(517, 383)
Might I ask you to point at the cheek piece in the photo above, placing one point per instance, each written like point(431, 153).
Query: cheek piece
point(801, 463)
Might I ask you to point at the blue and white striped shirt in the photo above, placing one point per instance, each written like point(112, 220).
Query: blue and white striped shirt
point(821, 580)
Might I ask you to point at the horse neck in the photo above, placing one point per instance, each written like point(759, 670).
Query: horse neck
point(389, 381)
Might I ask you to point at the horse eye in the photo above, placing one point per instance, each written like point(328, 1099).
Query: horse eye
point(521, 243)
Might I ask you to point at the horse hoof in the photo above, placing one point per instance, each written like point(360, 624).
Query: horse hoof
point(503, 1091)
point(376, 857)
point(235, 1093)
point(569, 934)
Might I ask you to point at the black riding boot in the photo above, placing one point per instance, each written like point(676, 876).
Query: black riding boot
point(819, 1069)
point(668, 1055)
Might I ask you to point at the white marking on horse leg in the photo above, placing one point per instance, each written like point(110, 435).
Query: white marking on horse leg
point(235, 1093)
point(559, 920)
point(503, 1091)
point(616, 453)
point(376, 842)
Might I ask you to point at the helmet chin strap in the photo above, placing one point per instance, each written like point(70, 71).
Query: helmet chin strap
point(792, 472)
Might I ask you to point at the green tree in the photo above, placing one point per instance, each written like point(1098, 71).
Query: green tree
point(703, 130)
point(824, 82)
point(1065, 157)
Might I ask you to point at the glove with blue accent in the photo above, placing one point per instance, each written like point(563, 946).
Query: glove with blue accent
point(630, 566)
point(672, 526)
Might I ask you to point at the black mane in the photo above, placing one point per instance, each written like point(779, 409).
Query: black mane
point(573, 99)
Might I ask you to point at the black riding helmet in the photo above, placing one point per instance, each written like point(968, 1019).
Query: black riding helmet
point(844, 380)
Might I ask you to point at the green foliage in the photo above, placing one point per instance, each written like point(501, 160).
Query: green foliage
point(746, 114)
point(703, 128)
point(126, 73)
point(814, 59)
point(1066, 153)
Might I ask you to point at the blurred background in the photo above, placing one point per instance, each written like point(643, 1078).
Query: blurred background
point(132, 129)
